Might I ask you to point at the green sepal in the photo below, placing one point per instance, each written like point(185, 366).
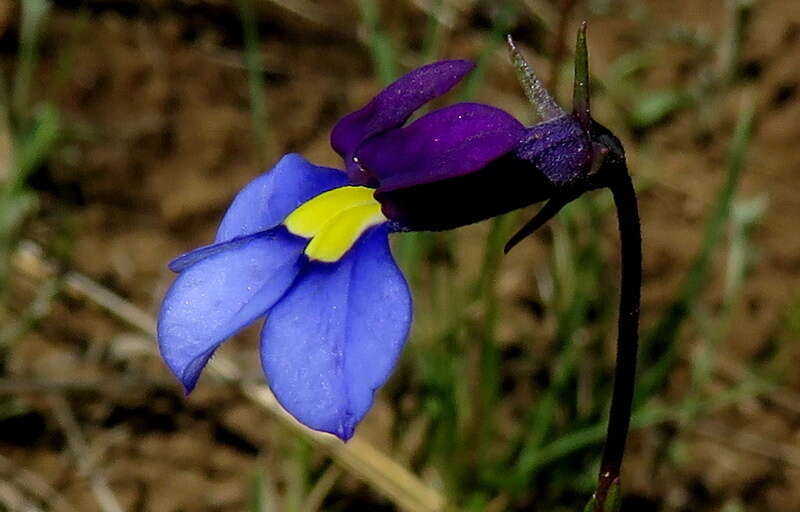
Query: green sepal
point(613, 501)
point(613, 498)
point(580, 92)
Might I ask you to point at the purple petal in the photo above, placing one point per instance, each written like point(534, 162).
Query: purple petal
point(504, 185)
point(336, 335)
point(394, 105)
point(559, 148)
point(222, 293)
point(447, 143)
point(264, 202)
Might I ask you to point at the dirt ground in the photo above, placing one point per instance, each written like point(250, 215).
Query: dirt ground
point(161, 137)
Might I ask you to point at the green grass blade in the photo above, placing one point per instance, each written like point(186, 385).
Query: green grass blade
point(35, 148)
point(34, 14)
point(380, 44)
point(647, 416)
point(659, 361)
point(496, 37)
point(255, 80)
point(433, 33)
point(262, 493)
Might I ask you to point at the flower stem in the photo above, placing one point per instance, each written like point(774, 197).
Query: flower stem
point(627, 337)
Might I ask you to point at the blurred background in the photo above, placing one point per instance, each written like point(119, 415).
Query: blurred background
point(127, 126)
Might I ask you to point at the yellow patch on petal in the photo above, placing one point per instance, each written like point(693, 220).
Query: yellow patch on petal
point(334, 221)
point(342, 231)
point(309, 218)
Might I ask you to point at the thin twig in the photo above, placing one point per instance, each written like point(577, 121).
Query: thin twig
point(34, 485)
point(80, 451)
point(445, 16)
point(781, 396)
point(305, 9)
point(321, 489)
point(356, 456)
point(12, 500)
point(749, 442)
point(16, 386)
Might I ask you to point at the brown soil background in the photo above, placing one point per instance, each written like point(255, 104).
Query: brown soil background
point(157, 97)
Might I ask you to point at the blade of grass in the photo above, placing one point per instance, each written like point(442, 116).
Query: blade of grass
point(500, 26)
point(380, 44)
point(490, 375)
point(38, 309)
point(659, 361)
point(255, 80)
point(577, 266)
point(34, 14)
point(297, 474)
point(729, 51)
point(433, 33)
point(489, 372)
point(16, 202)
point(262, 493)
point(34, 148)
point(67, 52)
point(409, 247)
point(321, 489)
point(358, 456)
point(745, 214)
point(646, 416)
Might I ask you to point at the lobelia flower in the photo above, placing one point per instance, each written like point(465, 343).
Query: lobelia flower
point(307, 246)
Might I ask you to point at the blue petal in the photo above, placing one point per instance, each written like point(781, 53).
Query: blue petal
point(336, 335)
point(217, 296)
point(188, 259)
point(264, 202)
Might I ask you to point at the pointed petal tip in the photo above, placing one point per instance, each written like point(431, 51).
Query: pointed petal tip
point(191, 374)
point(188, 386)
point(464, 64)
point(346, 432)
point(344, 429)
point(215, 297)
point(188, 375)
point(392, 106)
point(447, 143)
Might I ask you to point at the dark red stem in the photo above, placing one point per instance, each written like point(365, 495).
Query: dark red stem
point(627, 338)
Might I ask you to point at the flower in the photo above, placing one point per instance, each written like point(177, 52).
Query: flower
point(335, 328)
point(457, 165)
point(307, 246)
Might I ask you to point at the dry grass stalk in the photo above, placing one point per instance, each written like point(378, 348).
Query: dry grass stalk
point(358, 457)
